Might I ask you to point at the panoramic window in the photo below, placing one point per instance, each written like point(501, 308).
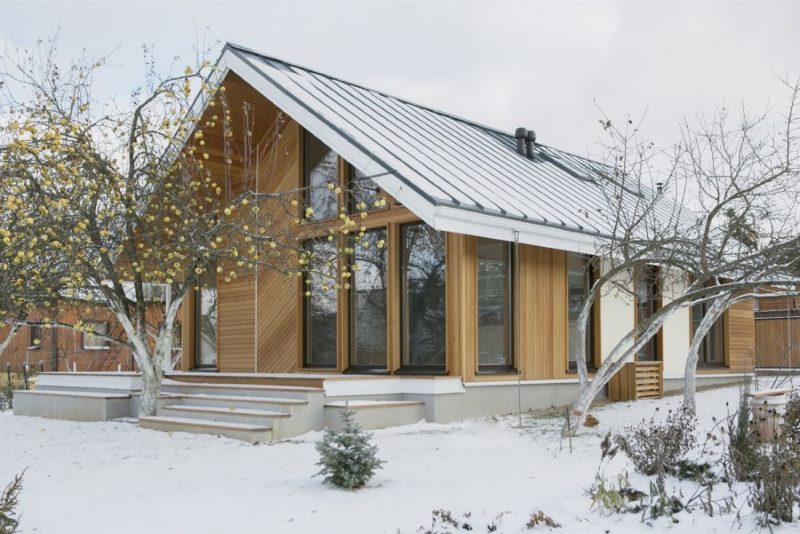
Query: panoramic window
point(495, 290)
point(579, 283)
point(320, 304)
point(423, 297)
point(647, 303)
point(320, 165)
point(712, 349)
point(92, 338)
point(362, 189)
point(368, 302)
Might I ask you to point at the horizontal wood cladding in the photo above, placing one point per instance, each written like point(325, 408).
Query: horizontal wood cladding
point(778, 343)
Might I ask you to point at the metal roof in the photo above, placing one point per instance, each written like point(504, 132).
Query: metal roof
point(455, 174)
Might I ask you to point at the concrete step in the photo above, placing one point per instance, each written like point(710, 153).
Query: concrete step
point(234, 401)
point(245, 390)
point(226, 415)
point(375, 414)
point(244, 432)
point(72, 405)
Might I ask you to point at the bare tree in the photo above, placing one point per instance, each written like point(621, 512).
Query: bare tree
point(721, 217)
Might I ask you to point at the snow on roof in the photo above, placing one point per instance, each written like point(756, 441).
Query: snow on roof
point(455, 174)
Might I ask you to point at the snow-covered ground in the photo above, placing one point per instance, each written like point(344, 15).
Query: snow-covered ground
point(114, 477)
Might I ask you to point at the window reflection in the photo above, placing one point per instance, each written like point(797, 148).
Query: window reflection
point(320, 169)
point(579, 283)
point(494, 304)
point(320, 304)
point(362, 189)
point(368, 302)
point(423, 296)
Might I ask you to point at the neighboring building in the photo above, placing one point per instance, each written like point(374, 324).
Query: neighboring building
point(484, 268)
point(64, 349)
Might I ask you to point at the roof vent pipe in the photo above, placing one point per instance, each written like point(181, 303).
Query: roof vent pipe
point(520, 135)
point(530, 142)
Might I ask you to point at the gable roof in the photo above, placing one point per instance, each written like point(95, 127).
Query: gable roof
point(456, 175)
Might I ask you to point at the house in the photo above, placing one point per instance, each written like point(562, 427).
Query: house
point(469, 307)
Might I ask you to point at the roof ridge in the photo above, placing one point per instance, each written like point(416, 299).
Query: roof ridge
point(477, 124)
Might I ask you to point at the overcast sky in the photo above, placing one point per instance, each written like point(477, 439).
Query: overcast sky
point(539, 65)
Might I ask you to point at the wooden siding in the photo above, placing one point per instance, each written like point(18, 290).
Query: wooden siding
point(778, 343)
point(236, 333)
point(542, 323)
point(740, 337)
point(637, 380)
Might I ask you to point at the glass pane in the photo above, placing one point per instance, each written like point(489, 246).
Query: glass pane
point(368, 301)
point(207, 319)
point(320, 304)
point(646, 288)
point(494, 303)
point(578, 286)
point(423, 296)
point(362, 190)
point(320, 167)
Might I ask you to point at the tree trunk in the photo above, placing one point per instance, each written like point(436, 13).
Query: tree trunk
point(151, 390)
point(716, 311)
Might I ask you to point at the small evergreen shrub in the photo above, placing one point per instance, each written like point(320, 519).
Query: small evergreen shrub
point(656, 448)
point(347, 458)
point(9, 499)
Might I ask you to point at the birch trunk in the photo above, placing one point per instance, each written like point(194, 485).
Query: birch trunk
point(716, 311)
point(7, 341)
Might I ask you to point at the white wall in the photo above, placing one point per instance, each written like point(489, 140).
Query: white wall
point(617, 317)
point(676, 329)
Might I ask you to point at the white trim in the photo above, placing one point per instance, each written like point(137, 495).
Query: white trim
point(394, 386)
point(521, 382)
point(700, 376)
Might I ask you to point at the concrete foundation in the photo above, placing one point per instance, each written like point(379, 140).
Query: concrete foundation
point(72, 406)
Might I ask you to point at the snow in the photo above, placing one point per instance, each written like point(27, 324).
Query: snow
point(116, 477)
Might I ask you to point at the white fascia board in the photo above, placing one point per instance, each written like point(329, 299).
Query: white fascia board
point(497, 227)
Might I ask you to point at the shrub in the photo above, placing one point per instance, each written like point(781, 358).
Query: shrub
point(9, 499)
point(776, 482)
point(540, 518)
point(742, 443)
point(347, 458)
point(654, 448)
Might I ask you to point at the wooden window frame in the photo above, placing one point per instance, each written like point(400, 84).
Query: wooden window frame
point(438, 370)
point(510, 313)
point(592, 350)
point(32, 338)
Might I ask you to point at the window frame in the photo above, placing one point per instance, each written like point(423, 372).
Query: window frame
point(702, 360)
point(351, 310)
point(305, 176)
point(426, 369)
point(306, 332)
point(106, 344)
point(654, 293)
point(31, 338)
point(509, 309)
point(350, 179)
point(591, 352)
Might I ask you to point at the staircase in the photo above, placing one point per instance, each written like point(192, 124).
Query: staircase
point(250, 412)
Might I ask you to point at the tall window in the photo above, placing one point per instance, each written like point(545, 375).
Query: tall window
point(319, 169)
point(647, 287)
point(495, 290)
point(579, 283)
point(368, 302)
point(362, 189)
point(320, 304)
point(712, 349)
point(206, 314)
point(423, 297)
